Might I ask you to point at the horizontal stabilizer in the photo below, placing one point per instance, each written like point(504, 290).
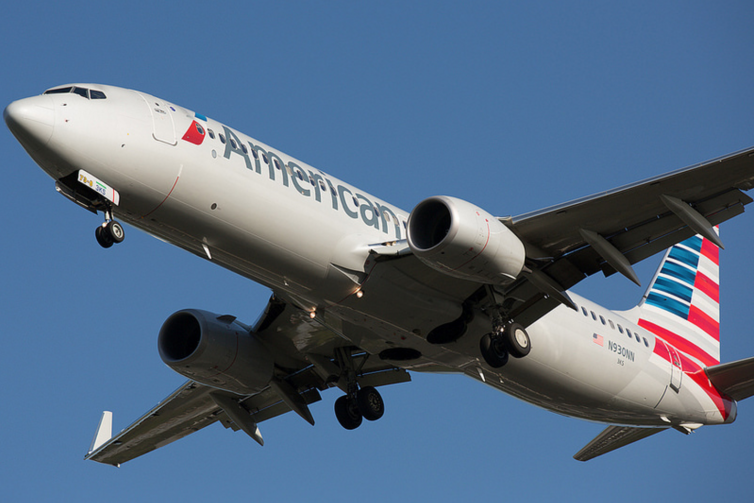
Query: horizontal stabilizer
point(734, 379)
point(614, 437)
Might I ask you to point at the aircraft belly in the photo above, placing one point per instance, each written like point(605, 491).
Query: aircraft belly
point(568, 371)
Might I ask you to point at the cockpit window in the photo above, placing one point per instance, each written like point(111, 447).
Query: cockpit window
point(60, 90)
point(81, 91)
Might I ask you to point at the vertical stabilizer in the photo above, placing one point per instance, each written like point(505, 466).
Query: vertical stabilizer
point(682, 304)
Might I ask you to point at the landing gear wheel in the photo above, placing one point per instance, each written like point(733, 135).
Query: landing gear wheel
point(103, 237)
point(517, 340)
point(493, 350)
point(347, 412)
point(370, 403)
point(115, 230)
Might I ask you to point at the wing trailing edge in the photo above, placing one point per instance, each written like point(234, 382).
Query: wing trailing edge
point(614, 437)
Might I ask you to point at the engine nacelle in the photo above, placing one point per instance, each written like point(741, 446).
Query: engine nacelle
point(215, 351)
point(464, 241)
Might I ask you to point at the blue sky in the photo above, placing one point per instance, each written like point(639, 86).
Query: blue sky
point(513, 107)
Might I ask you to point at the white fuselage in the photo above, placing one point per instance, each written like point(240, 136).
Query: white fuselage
point(297, 230)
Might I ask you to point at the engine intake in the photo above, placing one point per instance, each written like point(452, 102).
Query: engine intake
point(464, 241)
point(215, 351)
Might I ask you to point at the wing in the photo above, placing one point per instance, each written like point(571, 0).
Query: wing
point(605, 232)
point(637, 220)
point(306, 367)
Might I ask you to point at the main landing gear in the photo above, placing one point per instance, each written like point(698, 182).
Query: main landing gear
point(358, 403)
point(504, 341)
point(365, 403)
point(110, 232)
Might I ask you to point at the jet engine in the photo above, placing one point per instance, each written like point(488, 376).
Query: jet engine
point(464, 241)
point(216, 351)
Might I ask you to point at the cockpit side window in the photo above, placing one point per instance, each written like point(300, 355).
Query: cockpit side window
point(97, 95)
point(84, 93)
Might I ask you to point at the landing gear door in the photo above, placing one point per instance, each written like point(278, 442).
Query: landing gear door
point(163, 128)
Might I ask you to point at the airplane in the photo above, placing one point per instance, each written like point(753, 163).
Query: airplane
point(364, 292)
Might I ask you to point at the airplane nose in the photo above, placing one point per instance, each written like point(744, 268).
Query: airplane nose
point(31, 120)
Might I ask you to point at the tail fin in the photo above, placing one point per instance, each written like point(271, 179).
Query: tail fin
point(682, 304)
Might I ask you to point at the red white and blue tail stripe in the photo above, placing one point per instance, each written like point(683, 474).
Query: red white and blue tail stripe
point(682, 304)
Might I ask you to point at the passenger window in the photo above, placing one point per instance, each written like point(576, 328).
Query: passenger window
point(233, 144)
point(222, 138)
point(211, 133)
point(277, 164)
point(97, 95)
point(245, 150)
point(583, 310)
point(602, 319)
point(646, 342)
point(264, 158)
point(594, 316)
point(81, 92)
point(628, 333)
point(620, 329)
point(254, 153)
point(611, 324)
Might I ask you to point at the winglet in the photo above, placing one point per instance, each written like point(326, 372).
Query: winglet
point(104, 432)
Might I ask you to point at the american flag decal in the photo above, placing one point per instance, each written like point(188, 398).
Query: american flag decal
point(598, 339)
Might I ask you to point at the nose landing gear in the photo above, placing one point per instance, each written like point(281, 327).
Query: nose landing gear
point(110, 232)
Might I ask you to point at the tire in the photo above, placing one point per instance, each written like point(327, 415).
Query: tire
point(347, 413)
point(517, 340)
point(493, 351)
point(103, 237)
point(371, 405)
point(116, 232)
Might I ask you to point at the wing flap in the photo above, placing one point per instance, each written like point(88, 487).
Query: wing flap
point(614, 437)
point(734, 379)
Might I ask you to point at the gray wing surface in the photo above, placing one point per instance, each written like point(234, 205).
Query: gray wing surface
point(634, 219)
point(297, 383)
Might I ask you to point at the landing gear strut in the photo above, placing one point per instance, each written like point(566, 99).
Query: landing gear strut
point(358, 403)
point(110, 232)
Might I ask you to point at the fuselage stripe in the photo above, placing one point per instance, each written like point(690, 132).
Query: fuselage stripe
point(679, 343)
